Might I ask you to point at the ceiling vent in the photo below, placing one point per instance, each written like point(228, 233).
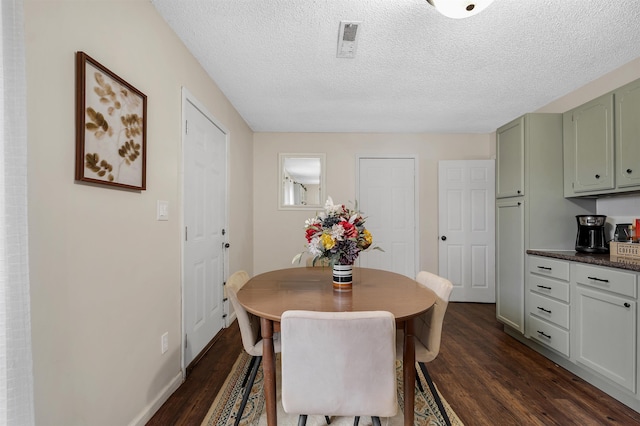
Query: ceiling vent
point(348, 39)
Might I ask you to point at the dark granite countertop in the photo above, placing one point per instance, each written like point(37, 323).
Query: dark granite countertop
point(593, 259)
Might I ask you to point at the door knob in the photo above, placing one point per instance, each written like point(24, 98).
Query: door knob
point(227, 245)
point(443, 238)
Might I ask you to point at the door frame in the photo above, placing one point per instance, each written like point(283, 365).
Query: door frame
point(416, 193)
point(188, 97)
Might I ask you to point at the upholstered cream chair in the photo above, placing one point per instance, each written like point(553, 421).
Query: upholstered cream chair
point(428, 330)
point(339, 363)
point(249, 329)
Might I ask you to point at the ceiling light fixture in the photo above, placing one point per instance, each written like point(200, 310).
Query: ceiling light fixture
point(460, 8)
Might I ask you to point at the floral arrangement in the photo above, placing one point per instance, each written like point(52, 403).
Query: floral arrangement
point(337, 234)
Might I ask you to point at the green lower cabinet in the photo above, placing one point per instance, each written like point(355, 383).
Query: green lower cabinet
point(605, 326)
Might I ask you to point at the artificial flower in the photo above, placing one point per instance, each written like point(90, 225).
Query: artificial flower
point(337, 234)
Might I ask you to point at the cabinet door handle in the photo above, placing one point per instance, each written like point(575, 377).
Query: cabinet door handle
point(597, 176)
point(545, 287)
point(546, 268)
point(598, 279)
point(629, 171)
point(544, 310)
point(627, 305)
point(543, 334)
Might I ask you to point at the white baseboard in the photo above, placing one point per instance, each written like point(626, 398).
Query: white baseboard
point(152, 407)
point(230, 319)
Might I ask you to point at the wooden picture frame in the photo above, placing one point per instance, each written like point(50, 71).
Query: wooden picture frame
point(111, 127)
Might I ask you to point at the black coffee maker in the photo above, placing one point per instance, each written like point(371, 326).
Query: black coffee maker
point(590, 238)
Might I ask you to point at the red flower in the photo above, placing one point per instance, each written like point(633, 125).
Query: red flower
point(350, 231)
point(310, 233)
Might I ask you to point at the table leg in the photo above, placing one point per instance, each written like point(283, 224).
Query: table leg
point(269, 371)
point(409, 372)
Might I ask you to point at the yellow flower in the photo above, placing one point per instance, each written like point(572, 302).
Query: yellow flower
point(367, 236)
point(365, 240)
point(327, 241)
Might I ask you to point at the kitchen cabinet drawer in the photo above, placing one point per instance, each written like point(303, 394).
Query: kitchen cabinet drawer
point(607, 279)
point(548, 334)
point(549, 309)
point(549, 287)
point(549, 267)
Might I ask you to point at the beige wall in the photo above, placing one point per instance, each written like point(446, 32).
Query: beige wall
point(105, 275)
point(279, 234)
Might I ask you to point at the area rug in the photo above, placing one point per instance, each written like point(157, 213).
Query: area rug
point(225, 407)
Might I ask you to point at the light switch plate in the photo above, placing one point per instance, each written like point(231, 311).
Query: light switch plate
point(162, 212)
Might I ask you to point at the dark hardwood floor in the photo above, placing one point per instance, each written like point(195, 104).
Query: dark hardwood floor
point(486, 376)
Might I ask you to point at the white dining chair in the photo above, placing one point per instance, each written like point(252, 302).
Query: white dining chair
point(339, 363)
point(249, 329)
point(428, 331)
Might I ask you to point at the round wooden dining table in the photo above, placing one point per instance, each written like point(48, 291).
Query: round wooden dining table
point(270, 294)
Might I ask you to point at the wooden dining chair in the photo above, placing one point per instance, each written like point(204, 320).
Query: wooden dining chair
point(339, 363)
point(249, 329)
point(428, 331)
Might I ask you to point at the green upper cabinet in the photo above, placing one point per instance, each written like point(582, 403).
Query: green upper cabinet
point(627, 113)
point(588, 147)
point(510, 159)
point(602, 144)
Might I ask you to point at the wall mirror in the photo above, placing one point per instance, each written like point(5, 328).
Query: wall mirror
point(302, 181)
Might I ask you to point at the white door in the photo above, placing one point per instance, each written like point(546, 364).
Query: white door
point(205, 160)
point(387, 198)
point(466, 225)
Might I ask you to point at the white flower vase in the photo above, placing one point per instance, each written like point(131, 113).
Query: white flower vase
point(342, 277)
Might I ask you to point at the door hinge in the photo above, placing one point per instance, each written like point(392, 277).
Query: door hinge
point(223, 231)
point(186, 127)
point(186, 235)
point(185, 341)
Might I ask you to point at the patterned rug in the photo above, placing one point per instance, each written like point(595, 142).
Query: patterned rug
point(224, 408)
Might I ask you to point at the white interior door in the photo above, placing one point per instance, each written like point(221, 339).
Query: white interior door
point(205, 161)
point(466, 224)
point(387, 198)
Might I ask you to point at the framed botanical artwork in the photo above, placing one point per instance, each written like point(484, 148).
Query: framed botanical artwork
point(111, 127)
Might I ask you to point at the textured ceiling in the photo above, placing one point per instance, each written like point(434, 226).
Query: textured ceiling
point(415, 70)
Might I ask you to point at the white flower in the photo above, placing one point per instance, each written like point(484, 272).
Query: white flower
point(330, 208)
point(311, 221)
point(315, 246)
point(337, 232)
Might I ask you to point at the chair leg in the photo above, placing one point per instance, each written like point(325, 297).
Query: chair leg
point(302, 420)
point(246, 375)
point(247, 389)
point(356, 420)
point(327, 419)
point(434, 392)
point(375, 421)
